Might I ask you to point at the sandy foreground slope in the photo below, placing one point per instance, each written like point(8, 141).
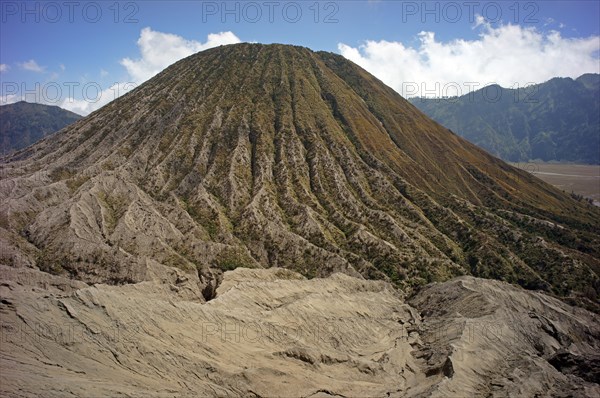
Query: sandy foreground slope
point(271, 332)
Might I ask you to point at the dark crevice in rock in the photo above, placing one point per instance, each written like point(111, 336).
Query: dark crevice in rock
point(445, 369)
point(209, 292)
point(324, 391)
point(211, 281)
point(585, 367)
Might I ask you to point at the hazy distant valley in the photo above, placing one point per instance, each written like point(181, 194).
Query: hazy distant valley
point(579, 179)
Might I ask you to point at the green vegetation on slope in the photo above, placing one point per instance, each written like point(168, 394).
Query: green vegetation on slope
point(277, 156)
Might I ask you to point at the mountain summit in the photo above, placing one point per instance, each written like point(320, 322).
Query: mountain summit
point(271, 155)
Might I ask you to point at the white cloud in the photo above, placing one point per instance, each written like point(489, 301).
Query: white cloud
point(159, 50)
point(103, 73)
point(54, 93)
point(507, 55)
point(32, 66)
point(96, 98)
point(9, 99)
point(4, 68)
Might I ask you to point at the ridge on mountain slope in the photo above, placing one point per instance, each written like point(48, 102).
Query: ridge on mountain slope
point(269, 155)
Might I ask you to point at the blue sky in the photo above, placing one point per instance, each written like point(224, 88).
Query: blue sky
point(71, 45)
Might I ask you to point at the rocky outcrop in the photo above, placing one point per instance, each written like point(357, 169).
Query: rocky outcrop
point(274, 333)
point(500, 340)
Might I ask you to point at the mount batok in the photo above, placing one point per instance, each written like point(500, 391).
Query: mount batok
point(273, 188)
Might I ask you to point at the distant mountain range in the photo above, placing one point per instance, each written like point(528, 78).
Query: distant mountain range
point(558, 120)
point(24, 123)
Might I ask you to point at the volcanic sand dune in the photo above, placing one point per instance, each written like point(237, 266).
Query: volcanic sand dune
point(273, 333)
